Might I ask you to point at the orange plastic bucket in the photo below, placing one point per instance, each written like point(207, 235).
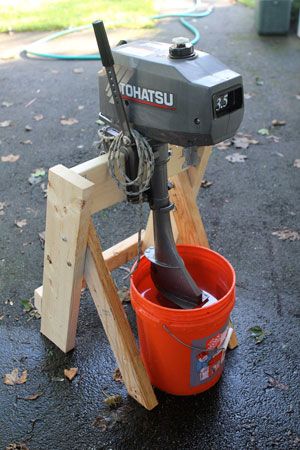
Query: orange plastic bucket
point(183, 350)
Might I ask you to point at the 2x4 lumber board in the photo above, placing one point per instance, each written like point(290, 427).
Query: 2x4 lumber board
point(121, 253)
point(196, 174)
point(67, 223)
point(105, 191)
point(114, 257)
point(116, 325)
point(188, 220)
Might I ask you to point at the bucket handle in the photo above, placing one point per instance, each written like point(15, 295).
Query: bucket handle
point(223, 346)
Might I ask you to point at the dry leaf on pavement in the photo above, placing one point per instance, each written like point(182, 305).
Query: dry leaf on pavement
point(287, 235)
point(236, 158)
point(3, 205)
point(6, 104)
point(6, 123)
point(71, 373)
point(224, 145)
point(38, 117)
point(13, 378)
point(21, 223)
point(273, 383)
point(278, 123)
point(243, 141)
point(297, 163)
point(78, 70)
point(206, 183)
point(113, 401)
point(273, 138)
point(17, 446)
point(31, 397)
point(263, 131)
point(70, 121)
point(10, 158)
point(117, 376)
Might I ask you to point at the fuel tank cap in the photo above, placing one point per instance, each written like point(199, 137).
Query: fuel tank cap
point(181, 48)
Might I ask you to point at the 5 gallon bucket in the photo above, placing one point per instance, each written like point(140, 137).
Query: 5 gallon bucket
point(184, 350)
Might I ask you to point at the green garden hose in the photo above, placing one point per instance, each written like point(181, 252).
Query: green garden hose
point(181, 16)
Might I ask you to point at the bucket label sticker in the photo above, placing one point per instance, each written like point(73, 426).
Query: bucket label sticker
point(207, 357)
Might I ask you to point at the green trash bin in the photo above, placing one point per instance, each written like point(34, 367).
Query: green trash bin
point(273, 16)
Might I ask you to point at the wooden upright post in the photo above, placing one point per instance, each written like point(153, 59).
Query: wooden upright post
point(67, 222)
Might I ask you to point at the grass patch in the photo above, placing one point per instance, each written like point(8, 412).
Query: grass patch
point(250, 3)
point(33, 15)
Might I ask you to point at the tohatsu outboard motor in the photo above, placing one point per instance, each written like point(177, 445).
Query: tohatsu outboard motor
point(155, 94)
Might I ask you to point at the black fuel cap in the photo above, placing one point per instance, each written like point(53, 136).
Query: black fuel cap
point(181, 48)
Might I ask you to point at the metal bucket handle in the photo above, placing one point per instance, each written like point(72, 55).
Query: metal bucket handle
point(223, 346)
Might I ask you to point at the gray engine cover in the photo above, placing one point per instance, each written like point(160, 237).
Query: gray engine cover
point(179, 101)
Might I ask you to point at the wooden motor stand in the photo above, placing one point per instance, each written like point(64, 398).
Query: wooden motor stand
point(73, 253)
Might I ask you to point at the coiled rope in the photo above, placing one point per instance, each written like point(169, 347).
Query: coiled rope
point(116, 147)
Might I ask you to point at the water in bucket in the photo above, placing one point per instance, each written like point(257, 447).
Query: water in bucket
point(156, 297)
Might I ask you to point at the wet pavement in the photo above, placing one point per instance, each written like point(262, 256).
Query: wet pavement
point(256, 403)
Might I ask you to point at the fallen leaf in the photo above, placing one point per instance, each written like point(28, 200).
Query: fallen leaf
point(297, 163)
point(9, 302)
point(117, 376)
point(13, 378)
point(248, 95)
point(273, 138)
point(78, 70)
point(27, 142)
point(258, 333)
point(6, 123)
point(206, 183)
point(113, 401)
point(236, 158)
point(17, 446)
point(3, 205)
point(273, 383)
point(259, 81)
point(6, 104)
point(243, 141)
point(287, 235)
point(224, 145)
point(101, 423)
point(44, 189)
point(38, 117)
point(264, 131)
point(27, 305)
point(124, 294)
point(36, 176)
point(31, 397)
point(10, 158)
point(278, 123)
point(28, 128)
point(70, 121)
point(21, 223)
point(2, 317)
point(70, 373)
